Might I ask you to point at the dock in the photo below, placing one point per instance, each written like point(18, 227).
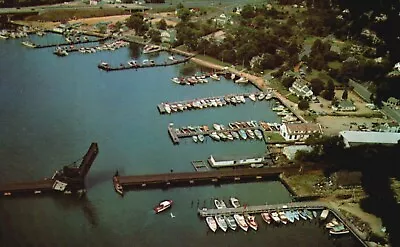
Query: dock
point(68, 43)
point(34, 187)
point(200, 165)
point(202, 177)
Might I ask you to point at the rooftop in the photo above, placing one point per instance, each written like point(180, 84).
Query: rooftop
point(302, 127)
point(370, 137)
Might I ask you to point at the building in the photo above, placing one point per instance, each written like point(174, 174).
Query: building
point(392, 127)
point(344, 105)
point(299, 131)
point(290, 151)
point(168, 36)
point(355, 138)
point(300, 89)
point(393, 102)
point(215, 163)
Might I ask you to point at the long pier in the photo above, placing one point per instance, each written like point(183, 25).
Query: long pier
point(204, 177)
point(68, 43)
point(34, 187)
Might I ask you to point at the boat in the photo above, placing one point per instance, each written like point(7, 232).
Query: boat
point(212, 224)
point(221, 222)
point(251, 221)
point(215, 136)
point(278, 108)
point(302, 214)
point(258, 165)
point(265, 216)
point(229, 136)
point(242, 99)
point(29, 44)
point(215, 77)
point(218, 204)
point(103, 65)
point(163, 206)
point(172, 58)
point(222, 136)
point(268, 96)
point(195, 139)
point(241, 222)
point(308, 214)
point(117, 186)
point(261, 96)
point(233, 76)
point(250, 134)
point(132, 63)
point(275, 217)
point(315, 214)
point(234, 202)
point(201, 138)
point(334, 222)
point(222, 203)
point(290, 216)
point(324, 214)
point(167, 108)
point(230, 221)
point(235, 134)
point(242, 134)
point(217, 127)
point(296, 215)
point(242, 80)
point(338, 230)
point(258, 134)
point(252, 97)
point(283, 217)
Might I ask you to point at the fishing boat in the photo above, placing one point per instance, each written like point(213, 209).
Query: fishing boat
point(290, 216)
point(308, 214)
point(275, 217)
point(117, 186)
point(283, 217)
point(258, 134)
point(265, 216)
point(250, 134)
point(201, 138)
point(240, 220)
point(251, 221)
point(215, 136)
point(230, 221)
point(252, 97)
point(234, 202)
point(162, 206)
point(212, 224)
point(221, 222)
point(235, 134)
point(338, 230)
point(195, 139)
point(261, 96)
point(242, 134)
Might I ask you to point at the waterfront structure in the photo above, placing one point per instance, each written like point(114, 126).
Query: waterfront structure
point(299, 131)
point(300, 88)
point(355, 138)
point(231, 163)
point(344, 105)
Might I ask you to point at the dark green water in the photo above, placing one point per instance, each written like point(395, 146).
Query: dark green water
point(52, 108)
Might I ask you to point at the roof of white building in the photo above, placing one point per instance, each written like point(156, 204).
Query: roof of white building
point(296, 128)
point(370, 137)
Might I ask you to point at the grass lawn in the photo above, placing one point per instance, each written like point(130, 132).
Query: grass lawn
point(293, 98)
point(212, 60)
point(273, 136)
point(335, 65)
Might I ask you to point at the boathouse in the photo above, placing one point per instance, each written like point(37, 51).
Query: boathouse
point(299, 131)
point(217, 163)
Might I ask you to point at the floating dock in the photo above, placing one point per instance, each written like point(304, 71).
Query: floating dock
point(201, 177)
point(200, 165)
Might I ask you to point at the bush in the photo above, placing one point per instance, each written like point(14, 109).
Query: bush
point(303, 105)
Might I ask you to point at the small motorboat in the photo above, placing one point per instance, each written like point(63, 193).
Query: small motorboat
point(230, 221)
point(195, 139)
point(117, 186)
point(338, 230)
point(296, 215)
point(235, 134)
point(215, 136)
point(261, 96)
point(163, 206)
point(251, 221)
point(200, 138)
point(243, 134)
point(265, 216)
point(283, 217)
point(218, 204)
point(240, 220)
point(212, 224)
point(258, 134)
point(252, 97)
point(234, 202)
point(221, 222)
point(215, 77)
point(290, 216)
point(275, 217)
point(308, 214)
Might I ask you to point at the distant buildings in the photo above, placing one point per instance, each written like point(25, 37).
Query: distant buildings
point(344, 105)
point(299, 131)
point(393, 102)
point(300, 88)
point(355, 138)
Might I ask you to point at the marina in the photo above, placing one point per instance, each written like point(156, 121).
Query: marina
point(137, 65)
point(75, 42)
point(109, 46)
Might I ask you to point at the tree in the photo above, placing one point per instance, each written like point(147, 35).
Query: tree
point(155, 35)
point(303, 105)
point(345, 94)
point(288, 82)
point(162, 24)
point(248, 11)
point(136, 22)
point(184, 14)
point(317, 85)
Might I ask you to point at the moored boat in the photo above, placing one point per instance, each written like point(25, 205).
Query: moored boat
point(290, 216)
point(215, 77)
point(251, 221)
point(195, 139)
point(252, 97)
point(230, 221)
point(201, 138)
point(243, 134)
point(258, 134)
point(212, 224)
point(240, 220)
point(265, 216)
point(338, 230)
point(221, 222)
point(296, 215)
point(218, 204)
point(235, 134)
point(234, 202)
point(308, 214)
point(261, 96)
point(215, 136)
point(283, 217)
point(302, 214)
point(117, 186)
point(163, 206)
point(250, 133)
point(242, 80)
point(275, 217)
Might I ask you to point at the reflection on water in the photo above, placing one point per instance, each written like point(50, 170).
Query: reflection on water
point(134, 50)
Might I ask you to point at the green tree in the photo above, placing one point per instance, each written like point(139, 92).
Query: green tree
point(162, 24)
point(184, 14)
point(248, 12)
point(345, 94)
point(136, 22)
point(317, 85)
point(303, 105)
point(288, 82)
point(155, 35)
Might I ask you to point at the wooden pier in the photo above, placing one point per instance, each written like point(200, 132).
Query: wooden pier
point(69, 43)
point(34, 187)
point(202, 177)
point(200, 165)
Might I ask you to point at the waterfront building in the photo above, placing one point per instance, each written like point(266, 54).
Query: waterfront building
point(299, 131)
point(300, 88)
point(216, 163)
point(355, 138)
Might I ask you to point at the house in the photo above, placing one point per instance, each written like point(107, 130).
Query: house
point(393, 102)
point(300, 88)
point(168, 36)
point(299, 131)
point(355, 138)
point(344, 105)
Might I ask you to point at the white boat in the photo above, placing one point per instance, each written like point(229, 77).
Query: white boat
point(172, 58)
point(221, 222)
point(324, 214)
point(230, 221)
point(163, 206)
point(217, 127)
point(229, 136)
point(167, 108)
point(258, 134)
point(338, 230)
point(275, 217)
point(242, 99)
point(235, 134)
point(215, 77)
point(250, 134)
point(201, 138)
point(195, 139)
point(215, 136)
point(283, 217)
point(234, 202)
point(278, 108)
point(266, 217)
point(268, 96)
point(212, 224)
point(252, 97)
point(261, 96)
point(251, 221)
point(241, 222)
point(290, 216)
point(243, 134)
point(258, 165)
point(242, 80)
point(233, 76)
point(218, 204)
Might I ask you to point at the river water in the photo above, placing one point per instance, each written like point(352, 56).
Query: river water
point(52, 108)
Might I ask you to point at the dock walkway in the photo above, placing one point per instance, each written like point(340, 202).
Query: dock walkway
point(68, 43)
point(24, 187)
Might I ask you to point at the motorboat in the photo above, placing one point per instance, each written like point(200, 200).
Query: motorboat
point(215, 136)
point(217, 127)
point(167, 108)
point(258, 134)
point(278, 108)
point(334, 222)
point(242, 80)
point(240, 220)
point(222, 203)
point(268, 96)
point(172, 58)
point(242, 99)
point(296, 215)
point(163, 206)
point(252, 97)
point(324, 214)
point(283, 217)
point(215, 77)
point(258, 165)
point(201, 138)
point(251, 221)
point(132, 63)
point(117, 186)
point(275, 217)
point(265, 216)
point(235, 134)
point(221, 222)
point(218, 204)
point(212, 224)
point(338, 230)
point(243, 134)
point(308, 214)
point(195, 139)
point(315, 214)
point(234, 202)
point(230, 221)
point(229, 136)
point(222, 136)
point(302, 214)
point(261, 96)
point(250, 134)
point(290, 216)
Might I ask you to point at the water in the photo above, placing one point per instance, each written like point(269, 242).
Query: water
point(52, 108)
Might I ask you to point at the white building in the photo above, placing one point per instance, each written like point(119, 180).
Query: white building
point(300, 88)
point(230, 163)
point(355, 138)
point(299, 131)
point(344, 105)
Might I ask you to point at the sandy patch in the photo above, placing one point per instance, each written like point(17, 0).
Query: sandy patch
point(332, 125)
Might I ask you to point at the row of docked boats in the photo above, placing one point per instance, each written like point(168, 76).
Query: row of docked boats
point(6, 34)
point(195, 79)
point(76, 39)
point(151, 48)
point(336, 227)
point(287, 116)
